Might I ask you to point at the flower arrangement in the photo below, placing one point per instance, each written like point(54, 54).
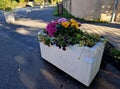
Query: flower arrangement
point(64, 32)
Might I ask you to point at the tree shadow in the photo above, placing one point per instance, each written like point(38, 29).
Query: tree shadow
point(42, 14)
point(112, 25)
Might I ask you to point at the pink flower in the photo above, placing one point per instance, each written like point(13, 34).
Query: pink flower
point(62, 20)
point(51, 28)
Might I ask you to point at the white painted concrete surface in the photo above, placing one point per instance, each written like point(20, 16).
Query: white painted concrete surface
point(9, 17)
point(82, 63)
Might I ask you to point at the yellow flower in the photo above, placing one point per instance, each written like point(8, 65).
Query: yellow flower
point(72, 21)
point(75, 25)
point(65, 24)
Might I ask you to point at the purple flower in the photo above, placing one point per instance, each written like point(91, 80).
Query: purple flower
point(51, 28)
point(62, 20)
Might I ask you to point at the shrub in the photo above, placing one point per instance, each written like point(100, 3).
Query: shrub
point(115, 53)
point(7, 5)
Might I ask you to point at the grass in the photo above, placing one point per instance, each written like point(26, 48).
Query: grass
point(112, 51)
point(115, 53)
point(65, 14)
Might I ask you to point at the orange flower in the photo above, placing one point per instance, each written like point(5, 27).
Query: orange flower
point(65, 24)
point(72, 21)
point(75, 25)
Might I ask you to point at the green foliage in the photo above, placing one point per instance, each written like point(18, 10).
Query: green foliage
point(65, 37)
point(65, 14)
point(7, 5)
point(40, 1)
point(22, 1)
point(14, 4)
point(57, 0)
point(115, 53)
point(89, 39)
point(2, 4)
point(44, 38)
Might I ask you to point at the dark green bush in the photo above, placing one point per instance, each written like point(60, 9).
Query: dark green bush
point(7, 5)
point(115, 53)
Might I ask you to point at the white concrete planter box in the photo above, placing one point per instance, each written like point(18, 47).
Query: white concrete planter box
point(41, 7)
point(82, 63)
point(9, 17)
point(28, 9)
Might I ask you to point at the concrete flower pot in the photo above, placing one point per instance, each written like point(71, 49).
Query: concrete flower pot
point(41, 7)
point(28, 9)
point(9, 17)
point(82, 63)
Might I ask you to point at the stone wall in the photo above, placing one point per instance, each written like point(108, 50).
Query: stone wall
point(118, 12)
point(85, 9)
point(92, 9)
point(66, 4)
point(106, 10)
